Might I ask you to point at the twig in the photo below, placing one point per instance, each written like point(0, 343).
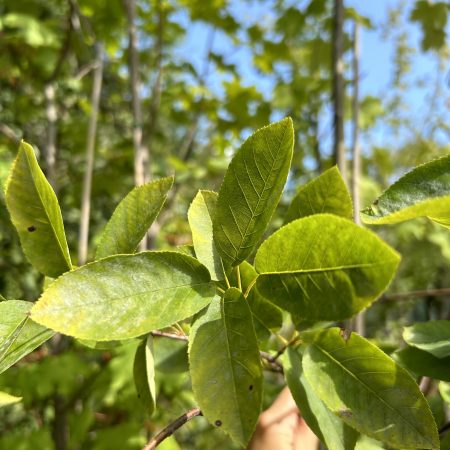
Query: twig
point(172, 427)
point(272, 360)
point(412, 294)
point(275, 365)
point(177, 337)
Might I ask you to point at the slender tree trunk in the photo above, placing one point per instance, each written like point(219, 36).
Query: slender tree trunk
point(52, 117)
point(90, 150)
point(356, 154)
point(141, 153)
point(338, 87)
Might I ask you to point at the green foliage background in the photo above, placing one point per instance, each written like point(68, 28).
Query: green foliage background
point(192, 132)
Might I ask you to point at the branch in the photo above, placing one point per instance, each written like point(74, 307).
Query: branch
point(172, 427)
point(9, 133)
point(272, 360)
point(415, 294)
point(177, 337)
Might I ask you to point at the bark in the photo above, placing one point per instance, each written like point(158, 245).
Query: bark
point(90, 152)
point(338, 87)
point(50, 147)
point(141, 153)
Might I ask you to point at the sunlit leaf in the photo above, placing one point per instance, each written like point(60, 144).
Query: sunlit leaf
point(19, 335)
point(144, 374)
point(225, 366)
point(432, 336)
point(35, 213)
point(133, 217)
point(330, 429)
point(200, 220)
point(368, 390)
point(124, 296)
point(324, 267)
point(7, 399)
point(325, 194)
point(251, 190)
point(424, 191)
point(420, 362)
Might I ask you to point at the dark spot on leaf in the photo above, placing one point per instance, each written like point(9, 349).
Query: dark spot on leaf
point(376, 202)
point(31, 229)
point(218, 423)
point(250, 387)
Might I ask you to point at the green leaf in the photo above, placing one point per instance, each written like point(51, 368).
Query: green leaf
point(133, 217)
point(423, 363)
point(7, 399)
point(35, 213)
point(425, 191)
point(324, 267)
point(225, 366)
point(325, 194)
point(368, 390)
point(144, 374)
point(444, 390)
point(266, 316)
point(432, 336)
point(171, 356)
point(200, 215)
point(329, 428)
point(19, 335)
point(251, 190)
point(125, 296)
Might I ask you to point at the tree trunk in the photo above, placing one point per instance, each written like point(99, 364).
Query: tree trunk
point(356, 154)
point(90, 150)
point(141, 153)
point(50, 148)
point(338, 87)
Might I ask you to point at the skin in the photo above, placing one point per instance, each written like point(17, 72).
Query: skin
point(281, 427)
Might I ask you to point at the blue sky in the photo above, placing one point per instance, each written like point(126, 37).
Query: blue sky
point(376, 60)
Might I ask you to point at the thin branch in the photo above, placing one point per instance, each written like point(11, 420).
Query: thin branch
point(415, 294)
point(9, 133)
point(90, 150)
point(273, 363)
point(172, 427)
point(177, 337)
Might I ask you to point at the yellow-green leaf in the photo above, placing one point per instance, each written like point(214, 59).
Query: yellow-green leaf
point(251, 190)
point(35, 213)
point(144, 374)
point(19, 335)
point(324, 267)
point(368, 390)
point(325, 194)
point(133, 217)
point(125, 296)
point(225, 366)
point(200, 216)
point(432, 336)
point(8, 399)
point(425, 191)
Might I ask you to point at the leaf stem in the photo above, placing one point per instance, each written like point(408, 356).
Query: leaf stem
point(250, 286)
point(172, 427)
point(178, 337)
point(220, 290)
point(238, 273)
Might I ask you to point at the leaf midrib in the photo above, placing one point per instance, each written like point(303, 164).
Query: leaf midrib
point(235, 401)
point(371, 391)
point(329, 269)
point(112, 299)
